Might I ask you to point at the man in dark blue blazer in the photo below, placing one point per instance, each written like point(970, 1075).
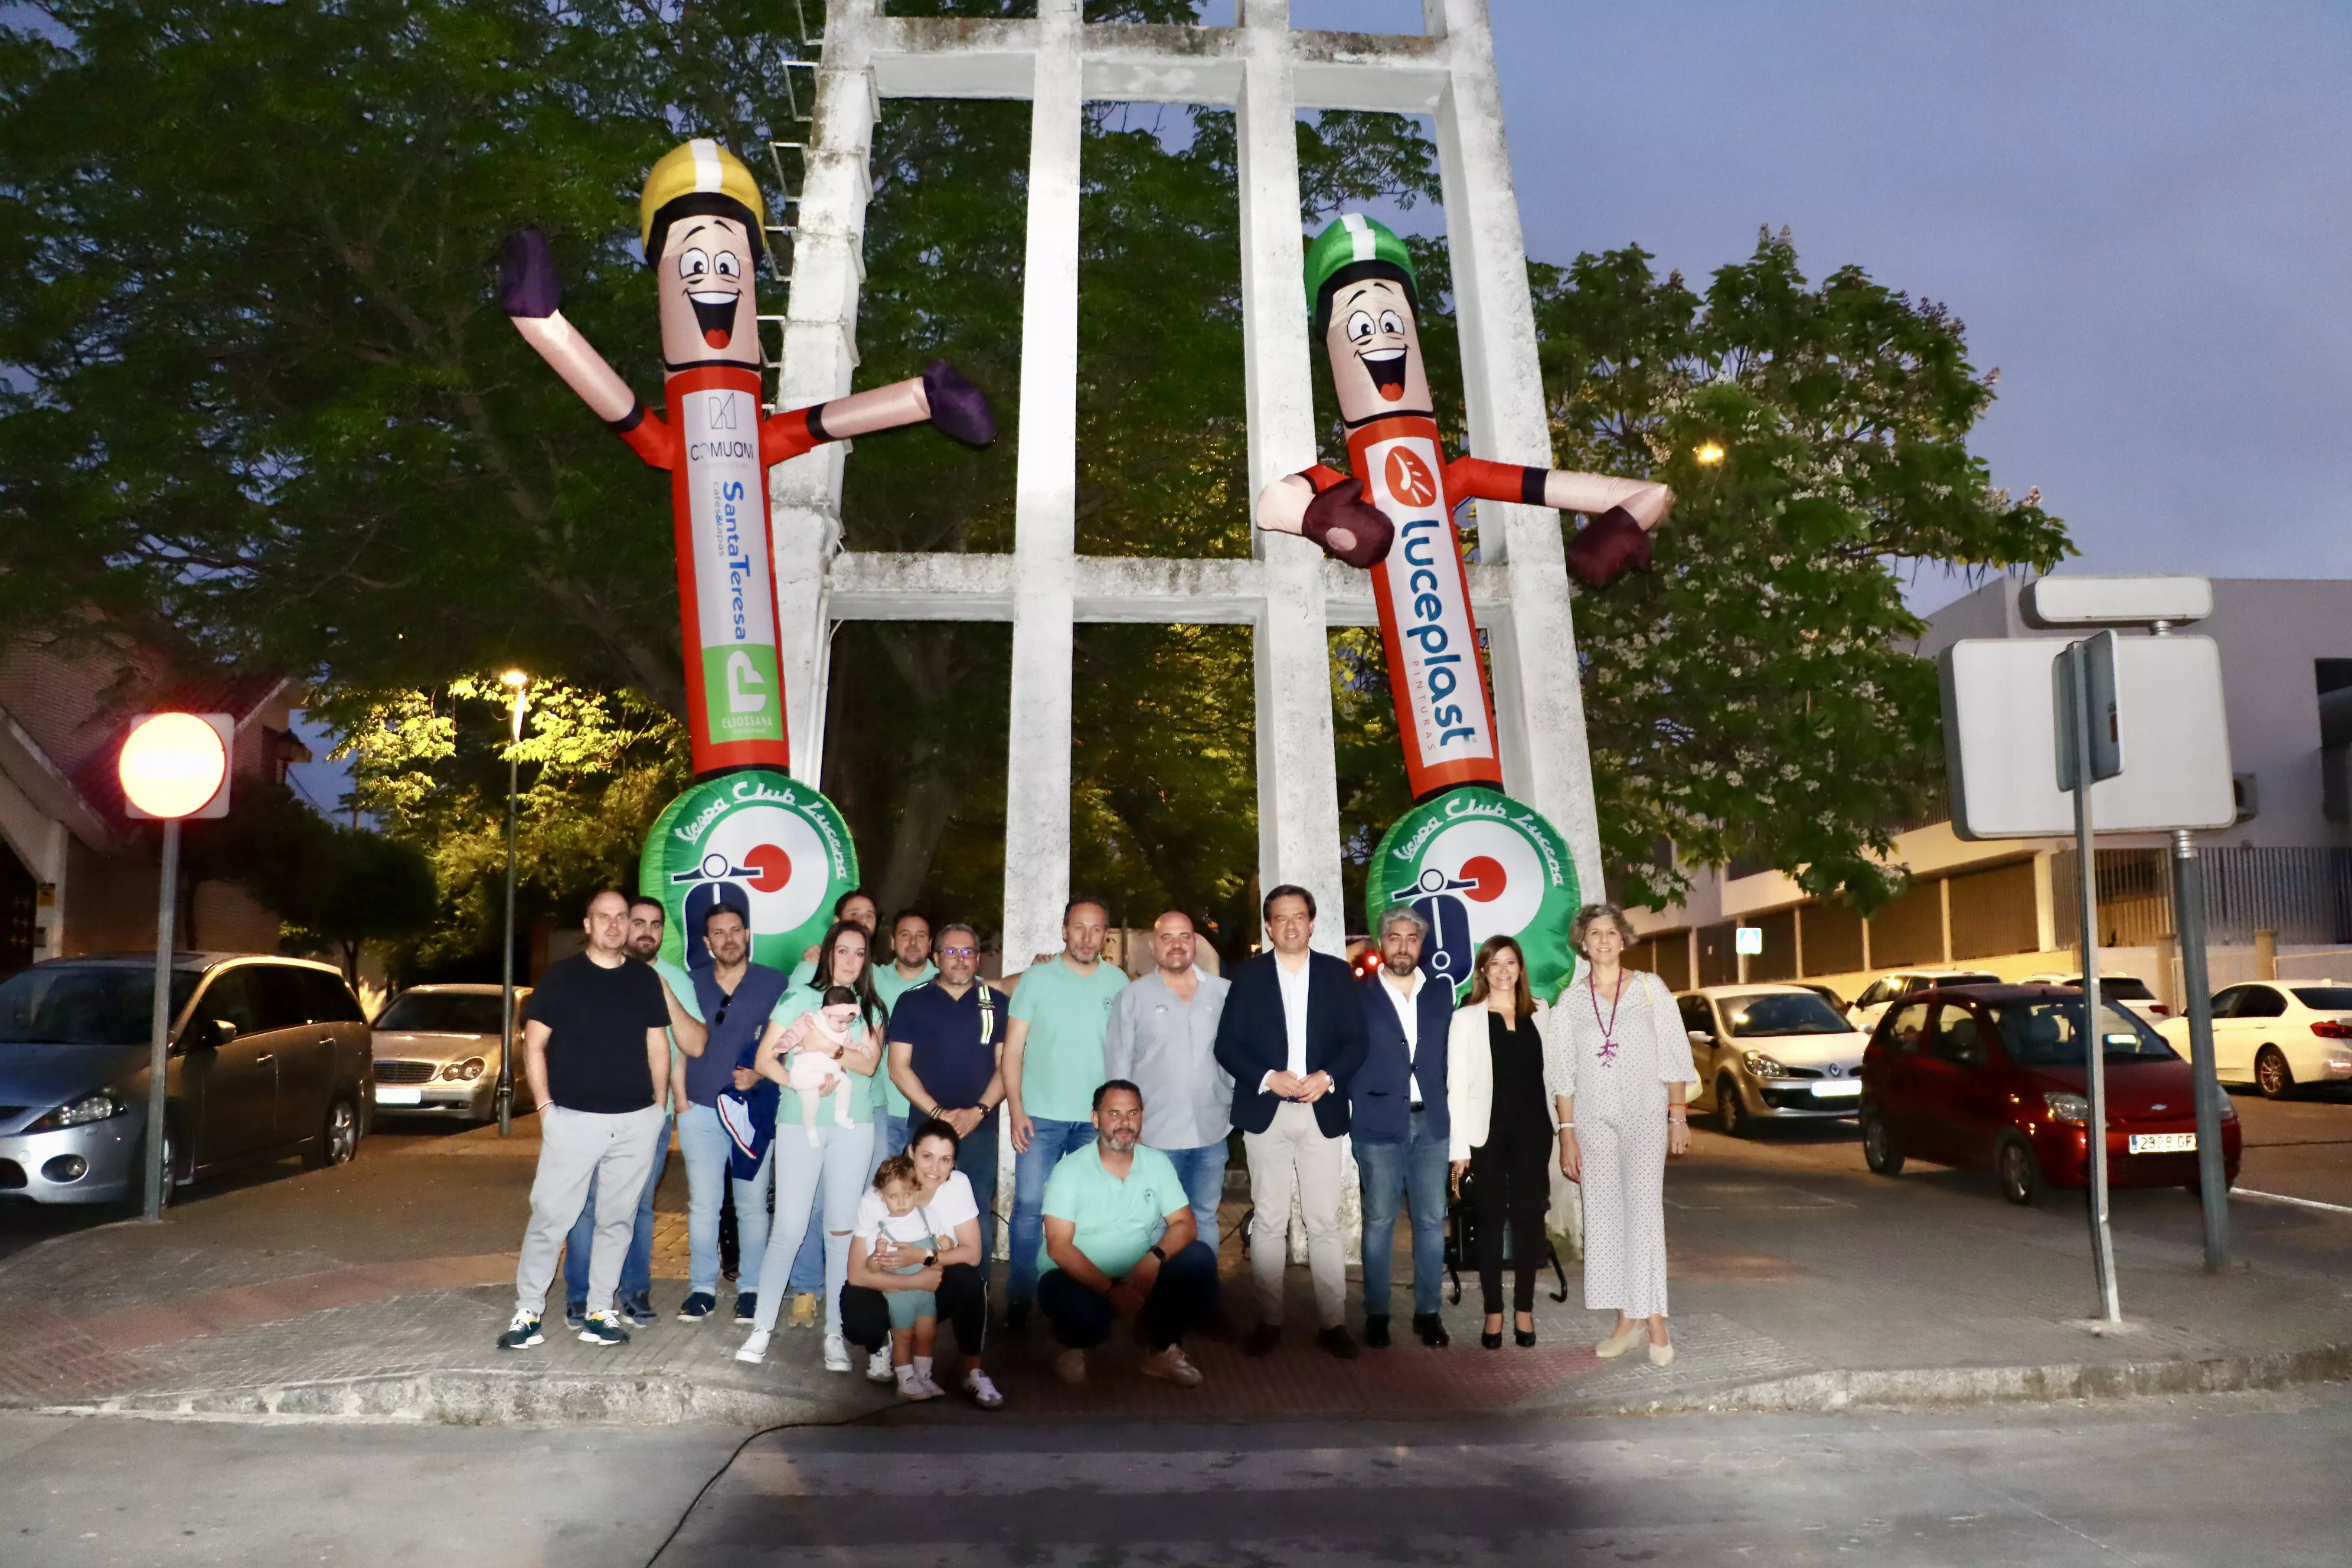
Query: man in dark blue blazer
point(1398, 1109)
point(1293, 1036)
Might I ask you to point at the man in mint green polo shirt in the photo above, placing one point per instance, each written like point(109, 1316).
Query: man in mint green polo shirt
point(1121, 1242)
point(1053, 1065)
point(910, 965)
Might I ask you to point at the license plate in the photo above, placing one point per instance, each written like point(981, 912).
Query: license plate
point(1837, 1088)
point(2164, 1142)
point(388, 1094)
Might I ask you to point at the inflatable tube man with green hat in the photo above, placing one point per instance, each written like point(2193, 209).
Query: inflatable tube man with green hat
point(1473, 861)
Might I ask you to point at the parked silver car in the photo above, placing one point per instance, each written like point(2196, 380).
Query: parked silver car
point(1771, 1053)
point(436, 1052)
point(268, 1057)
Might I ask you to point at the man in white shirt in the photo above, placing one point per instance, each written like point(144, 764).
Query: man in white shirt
point(1399, 1124)
point(1293, 1037)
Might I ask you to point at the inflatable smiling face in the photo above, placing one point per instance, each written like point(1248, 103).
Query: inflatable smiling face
point(1360, 284)
point(700, 222)
point(707, 309)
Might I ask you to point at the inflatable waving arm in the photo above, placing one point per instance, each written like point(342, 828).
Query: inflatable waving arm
point(1323, 505)
point(1622, 511)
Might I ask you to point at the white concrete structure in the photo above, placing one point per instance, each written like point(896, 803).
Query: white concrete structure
point(1266, 71)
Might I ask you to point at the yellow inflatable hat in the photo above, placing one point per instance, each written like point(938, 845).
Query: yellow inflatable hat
point(699, 177)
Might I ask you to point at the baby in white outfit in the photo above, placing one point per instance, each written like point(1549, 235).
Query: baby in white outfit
point(813, 1072)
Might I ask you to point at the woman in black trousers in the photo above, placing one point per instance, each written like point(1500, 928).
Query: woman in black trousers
point(962, 1284)
point(1502, 1127)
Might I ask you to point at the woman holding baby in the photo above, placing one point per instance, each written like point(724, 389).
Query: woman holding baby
point(825, 1128)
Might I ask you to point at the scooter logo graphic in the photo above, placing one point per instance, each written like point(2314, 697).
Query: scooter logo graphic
point(1475, 863)
point(757, 842)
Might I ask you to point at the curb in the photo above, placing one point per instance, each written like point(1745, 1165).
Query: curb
point(1929, 1388)
point(477, 1399)
point(522, 1398)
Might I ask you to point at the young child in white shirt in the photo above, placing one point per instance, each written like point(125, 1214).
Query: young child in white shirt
point(914, 1314)
point(814, 1073)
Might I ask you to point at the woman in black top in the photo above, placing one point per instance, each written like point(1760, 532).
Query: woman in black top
point(1503, 1134)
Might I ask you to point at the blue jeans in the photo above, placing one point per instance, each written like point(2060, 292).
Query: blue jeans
point(1048, 1141)
point(637, 1271)
point(1415, 1170)
point(894, 1131)
point(808, 1263)
point(1202, 1171)
point(708, 1153)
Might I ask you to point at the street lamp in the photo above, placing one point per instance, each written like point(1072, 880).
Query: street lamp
point(1710, 454)
point(517, 683)
point(174, 766)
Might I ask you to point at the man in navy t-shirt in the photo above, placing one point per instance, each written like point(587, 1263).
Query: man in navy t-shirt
point(947, 1048)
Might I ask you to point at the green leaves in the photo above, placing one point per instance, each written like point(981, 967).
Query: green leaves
point(1752, 696)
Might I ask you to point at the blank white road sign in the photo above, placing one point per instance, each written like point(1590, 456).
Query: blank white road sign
point(2001, 739)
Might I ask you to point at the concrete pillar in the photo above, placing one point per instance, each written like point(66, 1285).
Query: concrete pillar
point(820, 361)
point(1944, 910)
point(1037, 758)
point(1297, 779)
point(2045, 901)
point(1538, 701)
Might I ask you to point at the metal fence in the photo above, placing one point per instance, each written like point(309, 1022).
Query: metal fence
point(2304, 896)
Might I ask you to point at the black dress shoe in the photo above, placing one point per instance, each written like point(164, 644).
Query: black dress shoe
point(1376, 1333)
point(1265, 1340)
point(1524, 1336)
point(1493, 1342)
point(1432, 1329)
point(1340, 1342)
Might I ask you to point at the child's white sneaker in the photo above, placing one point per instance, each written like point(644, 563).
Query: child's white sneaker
point(913, 1386)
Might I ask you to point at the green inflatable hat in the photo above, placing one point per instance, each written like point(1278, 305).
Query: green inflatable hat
point(1355, 246)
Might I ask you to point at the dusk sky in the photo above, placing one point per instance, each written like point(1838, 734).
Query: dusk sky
point(2141, 211)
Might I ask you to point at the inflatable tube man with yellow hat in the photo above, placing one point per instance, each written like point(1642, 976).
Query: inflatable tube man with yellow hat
point(701, 218)
point(1363, 295)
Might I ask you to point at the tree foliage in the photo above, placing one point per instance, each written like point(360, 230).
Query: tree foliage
point(261, 407)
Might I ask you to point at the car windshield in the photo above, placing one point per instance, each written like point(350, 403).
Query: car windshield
point(1764, 1014)
point(85, 1005)
point(2325, 998)
point(2049, 1034)
point(442, 1013)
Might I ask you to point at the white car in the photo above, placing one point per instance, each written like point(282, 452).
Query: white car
point(1771, 1053)
point(2276, 1033)
point(1872, 1004)
point(436, 1052)
point(2128, 992)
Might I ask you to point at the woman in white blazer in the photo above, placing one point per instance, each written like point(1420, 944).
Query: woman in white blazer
point(1620, 1065)
point(1497, 1099)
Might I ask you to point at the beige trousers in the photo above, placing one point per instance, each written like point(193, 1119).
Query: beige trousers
point(1292, 1158)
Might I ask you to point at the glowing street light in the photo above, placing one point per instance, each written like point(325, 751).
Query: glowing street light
point(1710, 454)
point(172, 766)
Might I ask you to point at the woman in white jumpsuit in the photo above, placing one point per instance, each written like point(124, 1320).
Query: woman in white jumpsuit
point(1617, 1065)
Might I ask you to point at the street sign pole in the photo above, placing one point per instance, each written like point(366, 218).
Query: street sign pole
point(2078, 718)
point(159, 1039)
point(506, 1029)
point(2188, 918)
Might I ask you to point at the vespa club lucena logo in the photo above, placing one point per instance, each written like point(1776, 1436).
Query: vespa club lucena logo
point(1475, 863)
point(760, 842)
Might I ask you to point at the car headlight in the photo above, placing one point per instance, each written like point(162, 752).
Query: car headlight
point(2229, 1111)
point(1762, 1066)
point(80, 1113)
point(471, 1068)
point(2067, 1107)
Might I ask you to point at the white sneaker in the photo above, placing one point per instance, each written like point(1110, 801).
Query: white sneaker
point(981, 1392)
point(836, 1354)
point(755, 1347)
point(932, 1390)
point(1173, 1364)
point(879, 1368)
point(911, 1386)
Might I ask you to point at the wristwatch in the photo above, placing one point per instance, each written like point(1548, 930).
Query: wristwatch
point(1157, 1253)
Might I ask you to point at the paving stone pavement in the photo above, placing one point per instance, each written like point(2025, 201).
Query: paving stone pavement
point(1788, 1264)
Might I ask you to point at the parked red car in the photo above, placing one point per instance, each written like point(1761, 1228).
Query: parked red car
point(1995, 1075)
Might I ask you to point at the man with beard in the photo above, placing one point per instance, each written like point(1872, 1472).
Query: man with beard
point(1119, 1243)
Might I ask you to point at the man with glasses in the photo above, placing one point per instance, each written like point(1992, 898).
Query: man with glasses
point(947, 1059)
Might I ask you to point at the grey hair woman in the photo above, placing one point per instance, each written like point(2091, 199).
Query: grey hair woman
point(1619, 1064)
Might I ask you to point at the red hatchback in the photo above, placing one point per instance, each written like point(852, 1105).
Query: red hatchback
point(1995, 1075)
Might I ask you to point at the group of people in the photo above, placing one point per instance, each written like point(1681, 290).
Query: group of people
point(865, 1103)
